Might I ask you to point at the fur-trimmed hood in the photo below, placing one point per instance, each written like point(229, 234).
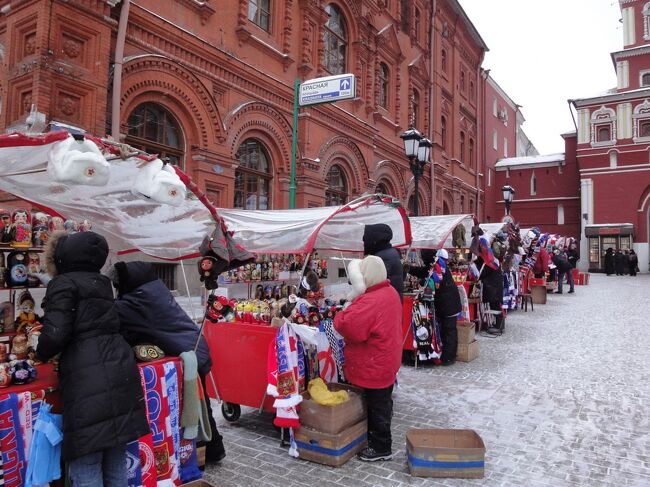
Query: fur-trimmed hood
point(364, 274)
point(84, 251)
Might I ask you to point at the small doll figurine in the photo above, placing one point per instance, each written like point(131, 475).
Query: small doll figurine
point(5, 378)
point(208, 272)
point(22, 372)
point(276, 270)
point(3, 353)
point(6, 318)
point(263, 271)
point(56, 224)
point(257, 272)
point(268, 292)
point(41, 229)
point(277, 292)
point(85, 226)
point(248, 272)
point(26, 318)
point(323, 269)
point(314, 318)
point(5, 226)
point(71, 226)
point(21, 229)
point(19, 346)
point(17, 269)
point(33, 267)
point(259, 292)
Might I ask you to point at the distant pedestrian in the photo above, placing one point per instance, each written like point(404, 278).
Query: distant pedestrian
point(609, 261)
point(633, 263)
point(572, 255)
point(620, 262)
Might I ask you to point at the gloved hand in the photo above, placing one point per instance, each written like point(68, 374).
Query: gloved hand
point(44, 277)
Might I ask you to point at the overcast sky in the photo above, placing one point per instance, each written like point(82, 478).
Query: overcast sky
point(544, 53)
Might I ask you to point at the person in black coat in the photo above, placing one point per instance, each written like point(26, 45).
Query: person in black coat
point(609, 261)
point(633, 263)
point(563, 269)
point(103, 401)
point(376, 241)
point(149, 314)
point(620, 262)
point(492, 289)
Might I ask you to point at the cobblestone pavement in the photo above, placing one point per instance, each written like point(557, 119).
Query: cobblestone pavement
point(561, 399)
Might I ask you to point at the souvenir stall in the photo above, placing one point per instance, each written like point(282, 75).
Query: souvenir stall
point(239, 337)
point(450, 232)
point(137, 203)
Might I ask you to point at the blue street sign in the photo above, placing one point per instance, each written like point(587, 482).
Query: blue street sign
point(327, 90)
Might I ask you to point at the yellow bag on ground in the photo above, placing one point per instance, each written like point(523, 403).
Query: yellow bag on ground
point(322, 395)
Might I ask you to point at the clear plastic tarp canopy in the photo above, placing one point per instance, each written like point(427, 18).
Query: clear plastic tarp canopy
point(435, 232)
point(128, 221)
point(337, 228)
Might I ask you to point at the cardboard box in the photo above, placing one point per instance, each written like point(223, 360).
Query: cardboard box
point(445, 453)
point(467, 351)
point(200, 456)
point(333, 419)
point(333, 450)
point(466, 332)
point(539, 294)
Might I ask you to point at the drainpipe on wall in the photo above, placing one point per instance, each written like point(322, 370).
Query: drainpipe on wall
point(117, 69)
point(432, 32)
point(479, 141)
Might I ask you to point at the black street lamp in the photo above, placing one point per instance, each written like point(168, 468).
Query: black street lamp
point(417, 150)
point(508, 196)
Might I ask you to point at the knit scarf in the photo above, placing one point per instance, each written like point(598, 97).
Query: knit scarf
point(12, 446)
point(172, 391)
point(141, 470)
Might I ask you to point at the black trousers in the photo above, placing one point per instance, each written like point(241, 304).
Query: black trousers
point(449, 337)
point(380, 414)
point(214, 448)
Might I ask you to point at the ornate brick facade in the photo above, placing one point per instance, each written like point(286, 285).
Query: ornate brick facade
point(204, 78)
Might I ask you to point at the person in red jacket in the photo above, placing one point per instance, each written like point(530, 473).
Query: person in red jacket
point(372, 325)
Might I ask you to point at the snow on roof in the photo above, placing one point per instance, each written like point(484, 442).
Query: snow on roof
point(598, 225)
point(530, 160)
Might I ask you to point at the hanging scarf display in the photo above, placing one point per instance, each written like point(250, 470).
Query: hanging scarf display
point(189, 463)
point(12, 447)
point(426, 333)
point(141, 466)
point(464, 303)
point(509, 291)
point(159, 419)
point(172, 391)
point(326, 363)
point(337, 345)
point(26, 420)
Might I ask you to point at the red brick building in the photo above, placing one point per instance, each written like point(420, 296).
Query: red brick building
point(210, 85)
point(613, 144)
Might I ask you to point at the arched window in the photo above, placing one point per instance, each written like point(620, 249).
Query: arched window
point(462, 81)
point(471, 206)
point(443, 132)
point(416, 23)
point(153, 129)
point(645, 79)
point(416, 108)
point(472, 95)
point(383, 85)
point(445, 208)
point(533, 185)
point(381, 189)
point(443, 59)
point(462, 203)
point(462, 146)
point(336, 193)
point(253, 177)
point(336, 41)
point(471, 153)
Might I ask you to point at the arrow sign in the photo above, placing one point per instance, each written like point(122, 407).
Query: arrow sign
point(327, 90)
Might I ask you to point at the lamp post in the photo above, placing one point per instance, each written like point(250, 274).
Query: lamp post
point(417, 150)
point(508, 196)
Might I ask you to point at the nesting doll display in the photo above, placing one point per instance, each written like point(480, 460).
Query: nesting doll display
point(40, 229)
point(21, 229)
point(17, 269)
point(5, 227)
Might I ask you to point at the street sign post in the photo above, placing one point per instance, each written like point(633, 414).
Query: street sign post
point(328, 89)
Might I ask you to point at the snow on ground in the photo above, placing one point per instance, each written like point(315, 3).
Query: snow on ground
point(561, 399)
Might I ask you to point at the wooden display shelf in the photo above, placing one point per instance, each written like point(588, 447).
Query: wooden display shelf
point(9, 248)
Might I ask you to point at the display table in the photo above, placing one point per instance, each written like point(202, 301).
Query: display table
point(162, 386)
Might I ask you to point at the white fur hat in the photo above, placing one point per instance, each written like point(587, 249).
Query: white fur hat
point(365, 273)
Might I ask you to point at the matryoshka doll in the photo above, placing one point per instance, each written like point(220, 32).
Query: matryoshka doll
point(5, 378)
point(33, 267)
point(71, 226)
point(41, 229)
point(5, 226)
point(56, 224)
point(21, 229)
point(85, 226)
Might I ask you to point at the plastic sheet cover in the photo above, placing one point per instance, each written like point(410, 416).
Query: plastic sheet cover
point(127, 221)
point(435, 232)
point(327, 228)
